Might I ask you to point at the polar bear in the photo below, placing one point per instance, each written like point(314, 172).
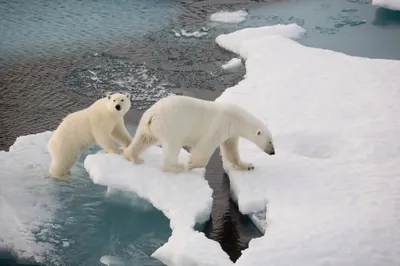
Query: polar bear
point(102, 123)
point(177, 121)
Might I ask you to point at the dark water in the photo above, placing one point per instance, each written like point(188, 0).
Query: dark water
point(58, 56)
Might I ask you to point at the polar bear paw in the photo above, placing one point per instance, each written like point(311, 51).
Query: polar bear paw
point(134, 159)
point(114, 151)
point(176, 168)
point(243, 166)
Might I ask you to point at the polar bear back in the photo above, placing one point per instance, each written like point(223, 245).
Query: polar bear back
point(189, 119)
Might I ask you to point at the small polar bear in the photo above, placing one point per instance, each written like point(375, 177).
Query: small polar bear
point(102, 123)
point(177, 121)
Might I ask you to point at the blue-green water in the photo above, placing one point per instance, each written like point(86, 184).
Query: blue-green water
point(116, 39)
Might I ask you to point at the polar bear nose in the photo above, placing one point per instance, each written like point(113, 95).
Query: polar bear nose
point(270, 151)
point(118, 107)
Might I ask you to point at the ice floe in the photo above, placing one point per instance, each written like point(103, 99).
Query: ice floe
point(27, 199)
point(389, 4)
point(332, 191)
point(229, 17)
point(233, 63)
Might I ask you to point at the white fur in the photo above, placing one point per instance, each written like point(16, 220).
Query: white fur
point(177, 121)
point(101, 124)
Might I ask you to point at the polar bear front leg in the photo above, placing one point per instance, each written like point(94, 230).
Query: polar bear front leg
point(121, 135)
point(105, 140)
point(171, 158)
point(230, 155)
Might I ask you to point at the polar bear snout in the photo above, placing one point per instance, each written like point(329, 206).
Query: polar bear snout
point(118, 107)
point(270, 150)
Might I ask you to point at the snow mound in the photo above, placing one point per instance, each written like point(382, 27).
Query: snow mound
point(332, 191)
point(233, 63)
point(185, 198)
point(27, 200)
point(389, 4)
point(233, 41)
point(229, 17)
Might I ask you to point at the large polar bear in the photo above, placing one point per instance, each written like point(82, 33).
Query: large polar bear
point(177, 121)
point(101, 123)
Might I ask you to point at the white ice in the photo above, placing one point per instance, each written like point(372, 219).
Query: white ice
point(185, 198)
point(186, 33)
point(112, 261)
point(235, 39)
point(332, 191)
point(27, 199)
point(229, 17)
point(389, 4)
point(191, 248)
point(233, 63)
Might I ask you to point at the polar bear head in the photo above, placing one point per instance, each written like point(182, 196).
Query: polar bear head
point(263, 139)
point(119, 103)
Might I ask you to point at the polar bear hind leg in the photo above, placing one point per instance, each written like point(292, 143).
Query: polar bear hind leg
point(230, 155)
point(61, 165)
point(171, 158)
point(140, 143)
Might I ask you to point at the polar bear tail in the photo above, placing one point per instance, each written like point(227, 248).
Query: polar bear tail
point(147, 120)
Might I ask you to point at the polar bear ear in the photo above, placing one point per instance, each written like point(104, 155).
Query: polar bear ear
point(108, 94)
point(128, 95)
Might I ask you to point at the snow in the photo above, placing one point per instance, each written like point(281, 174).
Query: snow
point(191, 248)
point(233, 63)
point(185, 198)
point(229, 17)
point(332, 191)
point(27, 199)
point(389, 4)
point(233, 41)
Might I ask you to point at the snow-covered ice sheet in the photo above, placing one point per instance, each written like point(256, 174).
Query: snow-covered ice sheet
point(233, 41)
point(332, 191)
point(229, 17)
point(27, 199)
point(185, 198)
point(233, 63)
point(389, 4)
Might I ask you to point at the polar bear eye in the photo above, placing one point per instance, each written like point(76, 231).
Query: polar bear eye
point(258, 132)
point(122, 100)
point(114, 100)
